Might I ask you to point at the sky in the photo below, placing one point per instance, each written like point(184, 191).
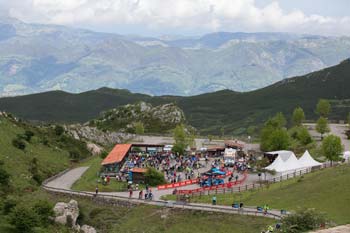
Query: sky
point(187, 17)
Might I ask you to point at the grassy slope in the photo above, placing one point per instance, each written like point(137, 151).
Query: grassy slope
point(147, 219)
point(326, 190)
point(208, 112)
point(51, 159)
point(89, 179)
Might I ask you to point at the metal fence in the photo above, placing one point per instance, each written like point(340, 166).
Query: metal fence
point(261, 184)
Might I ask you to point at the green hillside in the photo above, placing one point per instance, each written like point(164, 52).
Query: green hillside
point(325, 190)
point(210, 112)
point(52, 154)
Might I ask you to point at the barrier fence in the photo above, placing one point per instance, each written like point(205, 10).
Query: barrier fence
point(215, 187)
point(112, 199)
point(219, 189)
point(186, 182)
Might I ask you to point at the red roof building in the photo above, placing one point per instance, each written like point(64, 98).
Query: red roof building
point(117, 155)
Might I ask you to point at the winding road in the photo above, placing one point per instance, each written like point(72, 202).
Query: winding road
point(63, 183)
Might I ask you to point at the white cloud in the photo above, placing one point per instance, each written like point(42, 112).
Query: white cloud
point(207, 15)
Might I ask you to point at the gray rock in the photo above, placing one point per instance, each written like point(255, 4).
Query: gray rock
point(87, 229)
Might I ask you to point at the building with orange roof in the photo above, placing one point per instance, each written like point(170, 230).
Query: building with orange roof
point(116, 158)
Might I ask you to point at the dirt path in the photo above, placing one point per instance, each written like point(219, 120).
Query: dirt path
point(68, 179)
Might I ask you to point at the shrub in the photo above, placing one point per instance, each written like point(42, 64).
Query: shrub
point(44, 210)
point(24, 219)
point(74, 154)
point(103, 154)
point(59, 130)
point(4, 176)
point(9, 203)
point(28, 135)
point(303, 221)
point(19, 143)
point(153, 177)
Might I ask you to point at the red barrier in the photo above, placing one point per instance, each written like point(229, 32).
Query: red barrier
point(227, 185)
point(186, 182)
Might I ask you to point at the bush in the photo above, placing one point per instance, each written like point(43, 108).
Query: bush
point(103, 154)
point(44, 210)
point(19, 143)
point(9, 203)
point(24, 219)
point(28, 135)
point(4, 177)
point(153, 177)
point(59, 130)
point(303, 221)
point(74, 154)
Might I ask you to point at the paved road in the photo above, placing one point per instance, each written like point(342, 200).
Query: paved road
point(68, 179)
point(336, 129)
point(64, 183)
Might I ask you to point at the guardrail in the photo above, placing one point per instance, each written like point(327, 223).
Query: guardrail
point(109, 198)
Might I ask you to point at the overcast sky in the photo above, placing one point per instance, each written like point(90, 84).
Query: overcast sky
point(187, 17)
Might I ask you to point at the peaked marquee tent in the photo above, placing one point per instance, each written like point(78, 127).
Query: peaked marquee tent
point(307, 161)
point(287, 162)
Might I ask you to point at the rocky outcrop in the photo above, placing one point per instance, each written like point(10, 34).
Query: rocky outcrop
point(67, 214)
point(87, 229)
point(93, 134)
point(158, 119)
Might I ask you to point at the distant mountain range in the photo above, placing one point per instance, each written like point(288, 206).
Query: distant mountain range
point(209, 113)
point(36, 58)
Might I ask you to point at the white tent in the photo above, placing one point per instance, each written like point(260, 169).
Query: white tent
point(285, 162)
point(346, 155)
point(307, 161)
point(278, 165)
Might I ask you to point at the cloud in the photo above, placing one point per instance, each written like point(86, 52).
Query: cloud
point(207, 15)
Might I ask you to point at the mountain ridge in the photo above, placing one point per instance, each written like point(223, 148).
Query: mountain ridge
point(36, 58)
point(233, 111)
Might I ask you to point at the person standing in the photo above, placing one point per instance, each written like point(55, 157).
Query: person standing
point(214, 200)
point(96, 190)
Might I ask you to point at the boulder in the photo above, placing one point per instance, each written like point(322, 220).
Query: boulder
point(66, 213)
point(87, 229)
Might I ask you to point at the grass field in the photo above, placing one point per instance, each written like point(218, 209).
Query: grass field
point(90, 178)
point(326, 190)
point(51, 159)
point(152, 219)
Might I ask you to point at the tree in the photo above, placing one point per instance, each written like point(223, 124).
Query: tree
point(279, 140)
point(274, 135)
point(332, 148)
point(301, 134)
point(323, 108)
point(153, 177)
point(180, 138)
point(298, 116)
point(139, 128)
point(322, 126)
